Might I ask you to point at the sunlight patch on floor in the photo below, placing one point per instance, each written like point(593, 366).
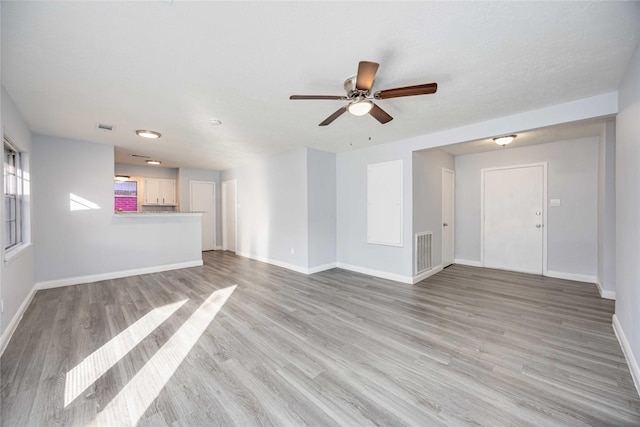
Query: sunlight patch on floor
point(100, 361)
point(139, 393)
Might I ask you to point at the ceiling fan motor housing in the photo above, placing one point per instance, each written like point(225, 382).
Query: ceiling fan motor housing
point(350, 87)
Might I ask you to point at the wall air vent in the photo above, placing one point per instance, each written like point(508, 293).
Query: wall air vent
point(104, 127)
point(423, 250)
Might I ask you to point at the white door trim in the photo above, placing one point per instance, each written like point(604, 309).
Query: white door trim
point(214, 204)
point(544, 209)
point(452, 221)
point(225, 243)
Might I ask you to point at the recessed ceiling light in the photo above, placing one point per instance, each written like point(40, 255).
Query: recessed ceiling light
point(151, 134)
point(121, 178)
point(154, 162)
point(215, 122)
point(504, 140)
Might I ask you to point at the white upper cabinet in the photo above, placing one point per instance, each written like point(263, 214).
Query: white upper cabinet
point(159, 192)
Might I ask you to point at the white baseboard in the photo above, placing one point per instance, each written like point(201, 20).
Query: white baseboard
point(277, 263)
point(218, 248)
point(11, 327)
point(115, 275)
point(376, 273)
point(605, 294)
point(428, 273)
point(288, 266)
point(571, 276)
point(320, 268)
point(628, 353)
point(467, 262)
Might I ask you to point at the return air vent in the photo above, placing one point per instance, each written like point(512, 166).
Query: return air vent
point(423, 251)
point(104, 127)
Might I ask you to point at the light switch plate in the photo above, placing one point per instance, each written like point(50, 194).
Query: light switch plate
point(555, 203)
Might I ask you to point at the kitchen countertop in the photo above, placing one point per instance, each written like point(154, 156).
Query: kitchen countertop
point(146, 214)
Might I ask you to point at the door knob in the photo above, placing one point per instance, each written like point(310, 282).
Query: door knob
point(445, 224)
point(538, 225)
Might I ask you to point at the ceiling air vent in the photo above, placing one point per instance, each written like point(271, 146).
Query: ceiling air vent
point(140, 156)
point(105, 128)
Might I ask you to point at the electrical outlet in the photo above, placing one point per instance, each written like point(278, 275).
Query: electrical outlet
point(292, 251)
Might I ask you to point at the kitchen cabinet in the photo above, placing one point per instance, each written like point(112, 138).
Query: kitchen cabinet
point(159, 192)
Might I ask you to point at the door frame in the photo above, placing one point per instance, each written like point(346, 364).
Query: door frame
point(544, 208)
point(214, 206)
point(453, 216)
point(225, 244)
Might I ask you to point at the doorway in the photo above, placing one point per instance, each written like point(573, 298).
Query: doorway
point(229, 215)
point(202, 197)
point(514, 218)
point(448, 197)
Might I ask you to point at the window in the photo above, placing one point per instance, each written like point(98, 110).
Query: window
point(126, 196)
point(12, 196)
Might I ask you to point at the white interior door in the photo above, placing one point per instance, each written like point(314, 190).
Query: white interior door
point(447, 216)
point(514, 218)
point(203, 196)
point(229, 216)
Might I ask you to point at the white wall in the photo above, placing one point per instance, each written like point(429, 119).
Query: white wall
point(83, 243)
point(607, 212)
point(392, 262)
point(185, 175)
point(427, 195)
point(572, 171)
point(627, 215)
point(17, 276)
point(396, 263)
point(145, 171)
point(321, 195)
point(272, 209)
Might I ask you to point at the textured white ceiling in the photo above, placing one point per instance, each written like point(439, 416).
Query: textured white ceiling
point(170, 66)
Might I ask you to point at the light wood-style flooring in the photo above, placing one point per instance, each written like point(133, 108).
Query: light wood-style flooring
point(240, 342)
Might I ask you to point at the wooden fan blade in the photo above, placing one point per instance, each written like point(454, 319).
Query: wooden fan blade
point(425, 89)
point(366, 73)
point(334, 116)
point(338, 98)
point(380, 115)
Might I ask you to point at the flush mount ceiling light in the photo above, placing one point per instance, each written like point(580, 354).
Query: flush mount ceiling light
point(360, 107)
point(154, 162)
point(215, 122)
point(151, 134)
point(121, 178)
point(504, 140)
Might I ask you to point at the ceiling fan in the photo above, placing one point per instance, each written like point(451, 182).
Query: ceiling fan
point(359, 95)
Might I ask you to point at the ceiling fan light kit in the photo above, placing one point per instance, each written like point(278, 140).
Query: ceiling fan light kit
point(360, 108)
point(359, 94)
